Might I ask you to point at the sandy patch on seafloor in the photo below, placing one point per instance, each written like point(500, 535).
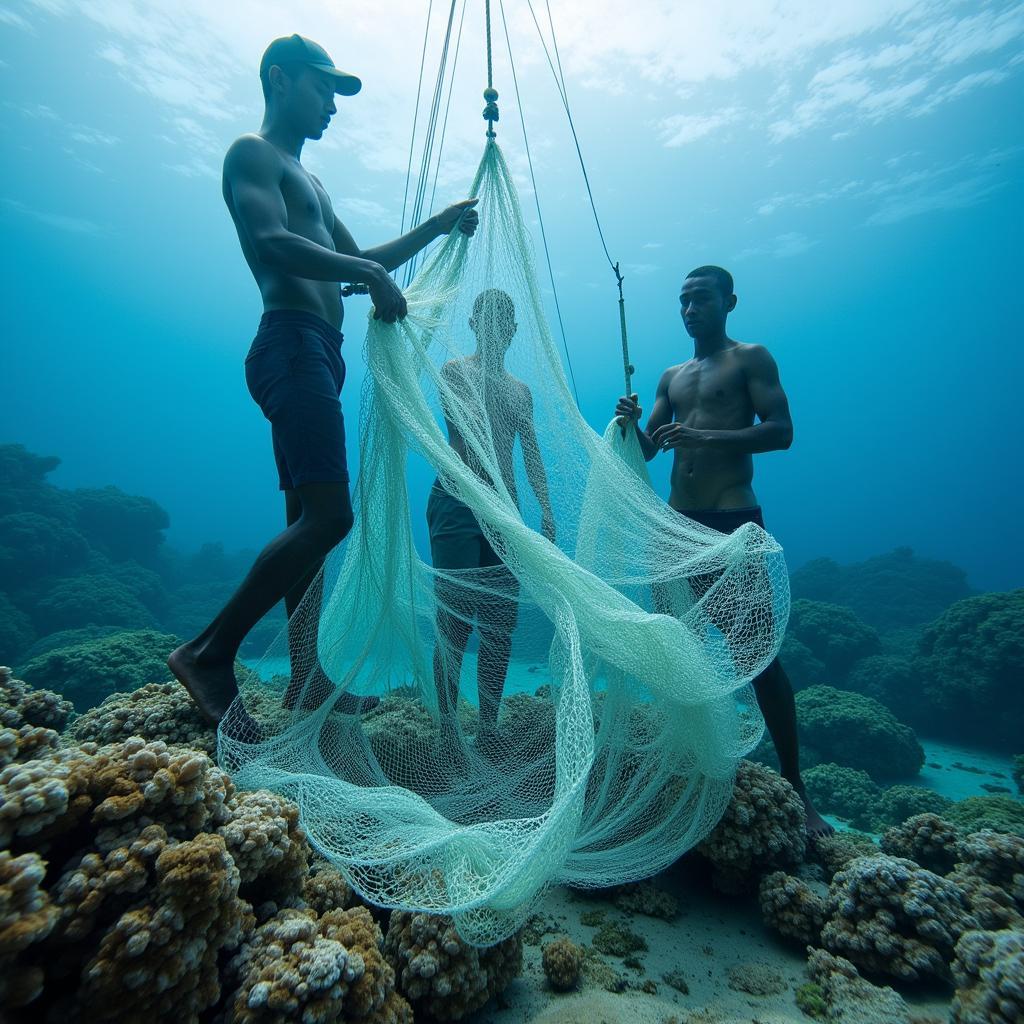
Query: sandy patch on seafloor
point(711, 934)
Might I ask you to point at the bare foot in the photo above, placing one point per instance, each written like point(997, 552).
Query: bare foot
point(211, 687)
point(817, 826)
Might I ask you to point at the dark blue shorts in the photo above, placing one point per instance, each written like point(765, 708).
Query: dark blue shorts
point(295, 372)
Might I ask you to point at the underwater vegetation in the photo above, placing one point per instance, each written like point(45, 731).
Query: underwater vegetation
point(79, 565)
point(888, 592)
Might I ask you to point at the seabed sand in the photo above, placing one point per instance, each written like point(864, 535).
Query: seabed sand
point(711, 934)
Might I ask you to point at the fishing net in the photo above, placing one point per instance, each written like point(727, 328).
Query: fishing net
point(459, 736)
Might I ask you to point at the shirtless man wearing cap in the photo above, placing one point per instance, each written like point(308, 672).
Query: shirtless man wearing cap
point(299, 252)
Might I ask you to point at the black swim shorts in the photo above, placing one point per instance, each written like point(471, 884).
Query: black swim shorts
point(294, 371)
point(727, 520)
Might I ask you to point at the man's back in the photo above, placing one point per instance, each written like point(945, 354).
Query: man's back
point(263, 187)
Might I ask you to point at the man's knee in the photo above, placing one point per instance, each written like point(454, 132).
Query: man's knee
point(330, 528)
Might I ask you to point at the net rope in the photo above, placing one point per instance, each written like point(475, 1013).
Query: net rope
point(464, 723)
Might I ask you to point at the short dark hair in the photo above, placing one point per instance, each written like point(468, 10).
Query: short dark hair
point(498, 300)
point(721, 276)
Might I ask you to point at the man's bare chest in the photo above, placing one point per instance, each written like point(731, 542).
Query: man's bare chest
point(308, 205)
point(711, 388)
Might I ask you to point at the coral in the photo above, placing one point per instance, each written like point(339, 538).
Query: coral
point(26, 916)
point(996, 813)
point(927, 840)
point(763, 829)
point(997, 858)
point(858, 732)
point(121, 525)
point(21, 704)
point(153, 859)
point(265, 841)
point(403, 737)
point(644, 898)
point(324, 888)
point(834, 852)
point(891, 679)
point(889, 591)
point(834, 635)
point(156, 711)
point(802, 667)
point(67, 638)
point(849, 793)
point(756, 979)
point(989, 975)
point(562, 961)
point(898, 803)
point(26, 743)
point(614, 939)
point(165, 951)
point(121, 787)
point(792, 907)
point(301, 966)
point(841, 995)
point(992, 907)
point(93, 599)
point(969, 663)
point(34, 546)
point(90, 671)
point(439, 973)
point(889, 916)
point(16, 630)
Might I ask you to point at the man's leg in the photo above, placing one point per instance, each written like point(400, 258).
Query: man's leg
point(301, 639)
point(454, 547)
point(775, 698)
point(453, 629)
point(496, 621)
point(205, 665)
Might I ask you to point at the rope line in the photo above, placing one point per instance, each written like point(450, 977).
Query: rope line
point(536, 199)
point(560, 85)
point(428, 145)
point(448, 105)
point(559, 77)
point(490, 65)
point(415, 116)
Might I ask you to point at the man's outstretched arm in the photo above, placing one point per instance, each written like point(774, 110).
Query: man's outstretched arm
point(396, 252)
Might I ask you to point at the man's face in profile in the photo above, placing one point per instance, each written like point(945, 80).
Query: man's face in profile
point(308, 99)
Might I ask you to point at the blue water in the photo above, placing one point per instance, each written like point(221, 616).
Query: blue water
point(863, 187)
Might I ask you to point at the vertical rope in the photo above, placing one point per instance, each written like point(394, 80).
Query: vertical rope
point(490, 93)
point(490, 65)
point(559, 77)
point(416, 116)
point(536, 199)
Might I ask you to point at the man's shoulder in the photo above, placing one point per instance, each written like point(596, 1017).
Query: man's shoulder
point(751, 354)
point(670, 371)
point(251, 149)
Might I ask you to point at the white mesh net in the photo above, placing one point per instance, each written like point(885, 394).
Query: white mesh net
point(568, 711)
